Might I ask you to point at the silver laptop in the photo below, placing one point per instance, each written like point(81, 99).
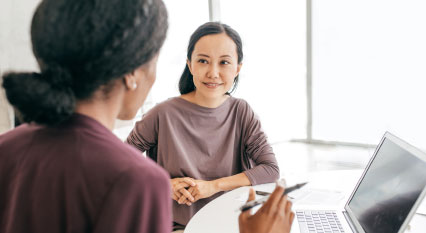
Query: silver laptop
point(385, 198)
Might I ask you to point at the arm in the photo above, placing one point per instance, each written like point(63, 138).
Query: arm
point(231, 182)
point(138, 201)
point(144, 135)
point(258, 149)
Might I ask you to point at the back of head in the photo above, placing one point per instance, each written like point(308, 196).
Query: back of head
point(81, 45)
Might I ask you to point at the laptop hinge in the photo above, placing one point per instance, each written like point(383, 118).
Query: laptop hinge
point(349, 221)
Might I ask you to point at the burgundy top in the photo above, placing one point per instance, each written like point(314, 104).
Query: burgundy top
point(79, 177)
point(189, 140)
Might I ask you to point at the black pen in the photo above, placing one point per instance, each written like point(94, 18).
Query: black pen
point(262, 200)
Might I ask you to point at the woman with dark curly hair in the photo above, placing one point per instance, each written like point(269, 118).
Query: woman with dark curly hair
point(65, 171)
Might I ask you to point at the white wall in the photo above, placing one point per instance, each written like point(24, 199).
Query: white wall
point(15, 47)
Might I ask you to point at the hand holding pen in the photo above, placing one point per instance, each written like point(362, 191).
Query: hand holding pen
point(254, 203)
point(274, 216)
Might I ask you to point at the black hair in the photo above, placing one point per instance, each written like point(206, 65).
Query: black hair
point(186, 82)
point(81, 45)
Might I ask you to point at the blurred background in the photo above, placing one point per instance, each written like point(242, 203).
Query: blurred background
point(327, 78)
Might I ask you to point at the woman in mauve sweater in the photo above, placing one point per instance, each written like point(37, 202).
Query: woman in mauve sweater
point(209, 141)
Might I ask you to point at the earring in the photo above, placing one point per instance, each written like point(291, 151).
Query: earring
point(134, 86)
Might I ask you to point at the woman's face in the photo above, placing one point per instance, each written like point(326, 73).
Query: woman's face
point(214, 65)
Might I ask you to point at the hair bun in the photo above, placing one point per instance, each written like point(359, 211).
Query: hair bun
point(45, 99)
point(58, 77)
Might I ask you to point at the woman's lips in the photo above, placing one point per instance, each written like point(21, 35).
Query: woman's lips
point(212, 85)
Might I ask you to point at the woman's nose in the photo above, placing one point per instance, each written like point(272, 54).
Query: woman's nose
point(213, 72)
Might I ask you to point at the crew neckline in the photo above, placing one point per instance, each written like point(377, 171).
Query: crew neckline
point(205, 109)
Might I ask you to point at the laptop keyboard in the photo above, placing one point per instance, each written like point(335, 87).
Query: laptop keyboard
point(311, 221)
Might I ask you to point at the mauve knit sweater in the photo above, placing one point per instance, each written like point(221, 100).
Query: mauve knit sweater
point(189, 140)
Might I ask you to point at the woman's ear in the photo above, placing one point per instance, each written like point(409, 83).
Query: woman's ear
point(238, 69)
point(188, 63)
point(130, 81)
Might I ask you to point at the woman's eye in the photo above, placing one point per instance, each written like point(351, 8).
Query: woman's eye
point(202, 61)
point(225, 62)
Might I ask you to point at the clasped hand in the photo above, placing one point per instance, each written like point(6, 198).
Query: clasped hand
point(187, 190)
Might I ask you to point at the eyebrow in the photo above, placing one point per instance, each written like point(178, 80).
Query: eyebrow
point(204, 55)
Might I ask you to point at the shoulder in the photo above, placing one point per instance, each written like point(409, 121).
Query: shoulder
point(166, 104)
point(241, 105)
point(138, 178)
point(164, 107)
point(20, 133)
point(111, 153)
point(239, 101)
point(142, 172)
point(115, 160)
point(145, 172)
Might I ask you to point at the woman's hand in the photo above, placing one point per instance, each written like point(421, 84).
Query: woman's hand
point(179, 190)
point(275, 216)
point(203, 189)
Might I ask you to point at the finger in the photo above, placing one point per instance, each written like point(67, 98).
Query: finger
point(197, 197)
point(181, 185)
point(189, 181)
point(251, 195)
point(174, 197)
point(193, 191)
point(291, 218)
point(177, 193)
point(186, 194)
point(274, 199)
point(245, 214)
point(182, 199)
point(288, 207)
point(282, 206)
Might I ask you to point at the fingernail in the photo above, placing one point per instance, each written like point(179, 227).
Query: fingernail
point(281, 183)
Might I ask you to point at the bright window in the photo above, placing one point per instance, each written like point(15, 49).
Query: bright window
point(273, 76)
point(368, 70)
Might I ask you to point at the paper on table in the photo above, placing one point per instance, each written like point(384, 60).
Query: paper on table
point(306, 197)
point(316, 197)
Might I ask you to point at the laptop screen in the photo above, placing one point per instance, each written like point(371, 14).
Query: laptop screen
point(391, 185)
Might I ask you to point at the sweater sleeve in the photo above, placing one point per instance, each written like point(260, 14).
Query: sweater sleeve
point(138, 201)
point(144, 135)
point(257, 148)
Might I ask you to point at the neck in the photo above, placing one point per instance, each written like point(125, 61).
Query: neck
point(209, 102)
point(104, 111)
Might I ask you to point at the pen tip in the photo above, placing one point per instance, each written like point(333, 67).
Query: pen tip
point(303, 184)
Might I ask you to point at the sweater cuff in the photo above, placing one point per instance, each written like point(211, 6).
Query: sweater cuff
point(262, 175)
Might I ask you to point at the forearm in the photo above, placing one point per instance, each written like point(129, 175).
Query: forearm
point(232, 182)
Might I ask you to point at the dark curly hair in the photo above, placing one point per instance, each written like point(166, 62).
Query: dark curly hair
point(81, 45)
point(186, 82)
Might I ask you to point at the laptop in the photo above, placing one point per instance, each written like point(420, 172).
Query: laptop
point(385, 198)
